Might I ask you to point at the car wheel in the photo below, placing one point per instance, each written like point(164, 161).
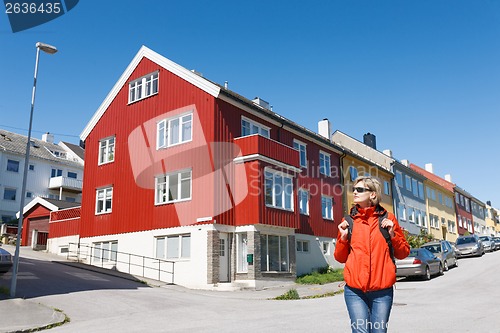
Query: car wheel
point(456, 262)
point(446, 268)
point(427, 275)
point(441, 270)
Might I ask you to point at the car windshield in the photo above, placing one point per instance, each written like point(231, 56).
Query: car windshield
point(484, 238)
point(465, 240)
point(433, 248)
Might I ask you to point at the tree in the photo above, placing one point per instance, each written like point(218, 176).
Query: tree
point(417, 241)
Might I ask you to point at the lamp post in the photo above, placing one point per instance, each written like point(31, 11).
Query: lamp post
point(50, 50)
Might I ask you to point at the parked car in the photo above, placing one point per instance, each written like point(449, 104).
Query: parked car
point(488, 243)
point(420, 262)
point(469, 245)
point(444, 251)
point(497, 242)
point(5, 261)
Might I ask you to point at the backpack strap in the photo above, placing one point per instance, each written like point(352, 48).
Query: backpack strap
point(386, 235)
point(350, 222)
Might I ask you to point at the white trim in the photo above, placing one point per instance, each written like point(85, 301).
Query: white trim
point(204, 219)
point(145, 52)
point(248, 158)
point(41, 201)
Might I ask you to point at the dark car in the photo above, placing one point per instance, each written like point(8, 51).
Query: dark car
point(469, 245)
point(5, 261)
point(444, 251)
point(420, 262)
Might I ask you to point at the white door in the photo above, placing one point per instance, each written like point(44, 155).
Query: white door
point(224, 257)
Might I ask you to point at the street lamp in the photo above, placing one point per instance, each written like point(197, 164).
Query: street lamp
point(50, 50)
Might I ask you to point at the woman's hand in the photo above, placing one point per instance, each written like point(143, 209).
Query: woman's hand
point(343, 230)
point(386, 223)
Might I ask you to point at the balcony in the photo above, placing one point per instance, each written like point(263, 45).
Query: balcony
point(261, 147)
point(66, 184)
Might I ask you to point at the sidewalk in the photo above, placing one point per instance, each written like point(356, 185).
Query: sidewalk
point(20, 315)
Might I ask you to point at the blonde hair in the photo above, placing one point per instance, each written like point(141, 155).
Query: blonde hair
point(373, 184)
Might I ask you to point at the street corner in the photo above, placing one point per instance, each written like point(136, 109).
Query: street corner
point(20, 315)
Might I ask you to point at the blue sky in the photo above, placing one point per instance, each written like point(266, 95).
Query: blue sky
point(423, 76)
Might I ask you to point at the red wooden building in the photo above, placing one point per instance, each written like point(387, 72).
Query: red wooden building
point(182, 169)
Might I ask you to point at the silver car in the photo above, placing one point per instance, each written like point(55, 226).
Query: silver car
point(488, 243)
point(469, 245)
point(5, 261)
point(444, 251)
point(420, 262)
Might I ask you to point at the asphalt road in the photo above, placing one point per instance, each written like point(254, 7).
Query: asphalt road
point(465, 299)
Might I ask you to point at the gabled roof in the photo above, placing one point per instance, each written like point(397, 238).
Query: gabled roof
point(169, 65)
point(16, 144)
point(434, 178)
point(50, 204)
point(360, 149)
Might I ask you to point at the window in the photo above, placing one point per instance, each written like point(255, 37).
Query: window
point(31, 167)
point(467, 206)
point(29, 194)
point(353, 172)
point(327, 207)
point(249, 127)
point(173, 187)
point(408, 182)
point(104, 198)
point(326, 247)
point(7, 218)
point(107, 150)
point(72, 175)
point(401, 212)
point(174, 131)
point(9, 194)
point(414, 186)
point(12, 165)
point(70, 199)
point(301, 147)
point(418, 217)
point(173, 247)
point(421, 190)
point(304, 202)
point(324, 164)
point(411, 214)
point(387, 188)
point(55, 173)
point(242, 251)
point(302, 246)
point(440, 198)
point(278, 190)
point(143, 87)
point(274, 253)
point(106, 251)
point(399, 178)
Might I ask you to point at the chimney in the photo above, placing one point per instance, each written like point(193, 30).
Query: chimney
point(260, 102)
point(388, 152)
point(429, 167)
point(488, 203)
point(325, 128)
point(448, 178)
point(370, 140)
point(47, 137)
point(226, 84)
point(405, 163)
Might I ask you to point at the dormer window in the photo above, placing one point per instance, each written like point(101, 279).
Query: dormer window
point(143, 87)
point(249, 127)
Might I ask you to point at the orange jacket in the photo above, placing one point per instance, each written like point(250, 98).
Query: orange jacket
point(368, 264)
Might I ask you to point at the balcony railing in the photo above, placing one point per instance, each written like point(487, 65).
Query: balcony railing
point(69, 184)
point(259, 145)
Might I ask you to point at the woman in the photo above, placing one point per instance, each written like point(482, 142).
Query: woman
point(369, 271)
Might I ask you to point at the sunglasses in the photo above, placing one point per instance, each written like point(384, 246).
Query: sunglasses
point(361, 189)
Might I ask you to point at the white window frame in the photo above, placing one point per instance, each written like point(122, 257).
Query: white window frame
point(421, 194)
point(302, 148)
point(14, 162)
point(262, 130)
point(327, 212)
point(274, 176)
point(242, 252)
point(325, 164)
point(107, 150)
point(106, 251)
point(399, 178)
point(107, 194)
point(303, 246)
point(408, 182)
point(162, 187)
point(266, 256)
point(141, 85)
point(303, 194)
point(401, 211)
point(10, 189)
point(164, 137)
point(182, 251)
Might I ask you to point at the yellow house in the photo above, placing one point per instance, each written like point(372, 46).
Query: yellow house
point(361, 159)
point(492, 227)
point(439, 200)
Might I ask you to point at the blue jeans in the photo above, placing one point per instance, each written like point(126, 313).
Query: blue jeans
point(369, 312)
